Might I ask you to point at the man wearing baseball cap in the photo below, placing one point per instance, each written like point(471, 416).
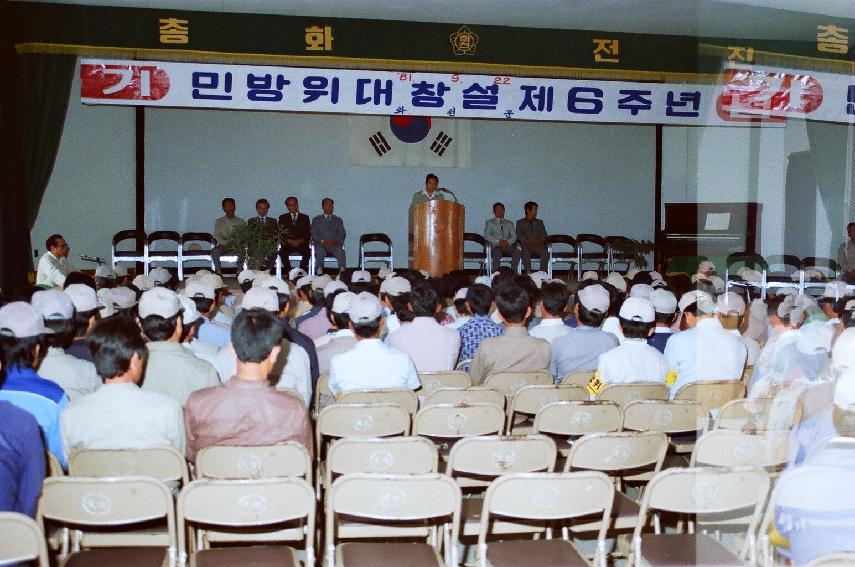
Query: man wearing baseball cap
point(340, 338)
point(22, 344)
point(665, 304)
point(785, 316)
point(634, 360)
point(705, 351)
point(76, 377)
point(581, 349)
point(120, 415)
point(172, 370)
point(730, 310)
point(395, 296)
point(201, 291)
point(370, 364)
point(86, 312)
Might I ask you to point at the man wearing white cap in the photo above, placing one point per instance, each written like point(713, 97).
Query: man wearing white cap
point(457, 310)
point(730, 310)
point(634, 360)
point(340, 338)
point(120, 415)
point(86, 312)
point(105, 276)
point(76, 377)
point(581, 349)
point(315, 323)
point(205, 297)
point(784, 319)
point(553, 306)
point(22, 331)
point(395, 296)
point(705, 351)
point(833, 293)
point(171, 370)
point(370, 364)
point(665, 305)
point(160, 276)
point(311, 289)
point(54, 265)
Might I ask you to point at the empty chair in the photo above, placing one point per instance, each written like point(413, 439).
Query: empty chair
point(547, 499)
point(391, 455)
point(573, 419)
point(196, 247)
point(746, 260)
point(163, 246)
point(509, 383)
point(288, 459)
point(294, 256)
point(530, 399)
point(385, 255)
point(110, 504)
point(592, 249)
point(163, 463)
point(452, 379)
point(725, 448)
point(711, 394)
point(389, 507)
point(785, 270)
point(247, 511)
point(403, 397)
point(479, 257)
point(580, 378)
point(139, 252)
point(814, 265)
point(751, 414)
point(622, 394)
point(359, 420)
point(21, 540)
point(681, 420)
point(473, 394)
point(448, 422)
point(711, 497)
point(562, 250)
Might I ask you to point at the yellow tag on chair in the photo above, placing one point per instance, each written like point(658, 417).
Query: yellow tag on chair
point(595, 385)
point(671, 377)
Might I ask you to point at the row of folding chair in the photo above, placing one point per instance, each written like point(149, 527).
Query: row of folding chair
point(777, 271)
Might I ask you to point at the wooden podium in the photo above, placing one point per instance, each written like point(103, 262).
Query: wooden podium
point(436, 237)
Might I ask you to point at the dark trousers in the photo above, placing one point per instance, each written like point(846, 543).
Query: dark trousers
point(302, 249)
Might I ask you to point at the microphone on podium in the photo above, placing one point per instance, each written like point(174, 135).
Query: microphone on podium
point(450, 192)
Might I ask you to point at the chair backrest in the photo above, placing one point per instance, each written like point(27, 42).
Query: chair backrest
point(668, 416)
point(375, 237)
point(391, 455)
point(138, 235)
point(386, 499)
point(475, 237)
point(588, 238)
point(54, 468)
point(726, 448)
point(288, 459)
point(745, 413)
point(198, 237)
point(259, 503)
point(739, 259)
point(451, 379)
point(509, 383)
point(471, 395)
point(618, 451)
point(403, 397)
point(163, 463)
point(831, 267)
point(322, 386)
point(579, 378)
point(562, 239)
point(360, 420)
point(21, 539)
point(164, 235)
point(711, 394)
point(113, 502)
point(493, 455)
point(453, 421)
point(578, 418)
point(547, 497)
point(833, 560)
point(530, 399)
point(622, 394)
point(789, 262)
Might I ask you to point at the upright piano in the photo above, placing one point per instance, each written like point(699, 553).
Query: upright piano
point(709, 229)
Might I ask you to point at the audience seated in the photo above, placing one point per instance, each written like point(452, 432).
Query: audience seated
point(730, 310)
point(634, 360)
point(479, 301)
point(204, 295)
point(86, 312)
point(553, 307)
point(665, 304)
point(395, 295)
point(340, 338)
point(312, 289)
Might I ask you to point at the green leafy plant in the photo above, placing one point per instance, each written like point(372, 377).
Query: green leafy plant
point(254, 244)
point(635, 251)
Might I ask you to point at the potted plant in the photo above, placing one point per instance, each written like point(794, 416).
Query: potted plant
point(254, 244)
point(634, 251)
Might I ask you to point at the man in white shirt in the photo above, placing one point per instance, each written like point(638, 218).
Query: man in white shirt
point(634, 360)
point(553, 307)
point(705, 351)
point(341, 338)
point(370, 364)
point(120, 415)
point(665, 304)
point(54, 266)
point(222, 227)
point(730, 310)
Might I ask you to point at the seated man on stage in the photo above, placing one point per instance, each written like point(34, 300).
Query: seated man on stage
point(268, 224)
point(329, 234)
point(532, 237)
point(430, 193)
point(297, 239)
point(846, 255)
point(222, 227)
point(500, 232)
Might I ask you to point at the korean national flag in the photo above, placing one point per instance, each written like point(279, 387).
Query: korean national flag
point(416, 141)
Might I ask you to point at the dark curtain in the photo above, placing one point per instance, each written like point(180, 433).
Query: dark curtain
point(44, 89)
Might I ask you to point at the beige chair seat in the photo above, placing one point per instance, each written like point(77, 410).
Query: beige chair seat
point(126, 557)
point(677, 550)
point(541, 553)
point(374, 554)
point(258, 556)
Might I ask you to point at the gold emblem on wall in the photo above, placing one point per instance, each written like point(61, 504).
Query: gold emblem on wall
point(464, 41)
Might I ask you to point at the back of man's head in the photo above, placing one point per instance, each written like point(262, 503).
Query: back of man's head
point(513, 304)
point(255, 332)
point(113, 342)
point(554, 296)
point(479, 297)
point(424, 298)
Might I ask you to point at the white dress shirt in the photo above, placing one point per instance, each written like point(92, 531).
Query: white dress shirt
point(77, 377)
point(432, 347)
point(632, 361)
point(707, 352)
point(372, 365)
point(52, 271)
point(549, 330)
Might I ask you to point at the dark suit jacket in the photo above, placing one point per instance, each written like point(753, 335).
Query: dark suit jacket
point(299, 229)
point(269, 228)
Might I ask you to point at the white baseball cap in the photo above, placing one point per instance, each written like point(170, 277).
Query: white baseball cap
point(594, 298)
point(616, 280)
point(749, 274)
point(276, 284)
point(396, 285)
point(538, 278)
point(123, 297)
point(424, 273)
point(261, 298)
point(483, 280)
point(654, 275)
point(143, 282)
point(360, 276)
point(590, 275)
point(121, 270)
point(706, 304)
point(333, 287)
point(189, 312)
point(105, 271)
point(159, 301)
point(83, 297)
point(814, 338)
point(320, 282)
point(19, 319)
point(246, 276)
point(663, 301)
point(364, 308)
point(706, 266)
point(160, 276)
point(304, 280)
point(637, 309)
point(728, 303)
point(461, 293)
point(655, 284)
point(105, 304)
point(718, 284)
point(213, 280)
point(835, 290)
point(384, 272)
point(342, 301)
point(641, 290)
point(53, 304)
point(196, 287)
point(296, 273)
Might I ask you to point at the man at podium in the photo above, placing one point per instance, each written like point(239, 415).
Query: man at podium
point(429, 193)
